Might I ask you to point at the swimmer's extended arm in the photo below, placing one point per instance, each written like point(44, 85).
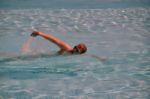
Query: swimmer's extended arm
point(61, 44)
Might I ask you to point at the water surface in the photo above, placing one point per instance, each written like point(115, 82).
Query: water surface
point(120, 34)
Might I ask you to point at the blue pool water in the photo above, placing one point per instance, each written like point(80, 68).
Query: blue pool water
point(120, 34)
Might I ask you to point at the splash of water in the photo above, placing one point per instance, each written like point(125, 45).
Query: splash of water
point(26, 47)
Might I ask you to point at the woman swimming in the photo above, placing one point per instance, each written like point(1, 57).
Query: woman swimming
point(64, 47)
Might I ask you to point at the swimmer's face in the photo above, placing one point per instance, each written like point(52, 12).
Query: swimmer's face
point(80, 48)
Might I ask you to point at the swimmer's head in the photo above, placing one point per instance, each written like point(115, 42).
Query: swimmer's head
point(80, 48)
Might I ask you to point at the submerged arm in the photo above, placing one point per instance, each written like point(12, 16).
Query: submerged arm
point(100, 58)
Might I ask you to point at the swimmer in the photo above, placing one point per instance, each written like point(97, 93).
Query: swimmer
point(64, 47)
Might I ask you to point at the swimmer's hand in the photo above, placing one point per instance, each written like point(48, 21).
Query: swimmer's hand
point(34, 33)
